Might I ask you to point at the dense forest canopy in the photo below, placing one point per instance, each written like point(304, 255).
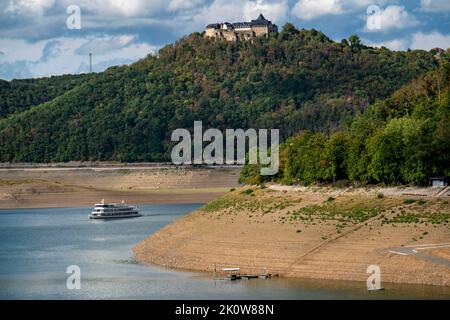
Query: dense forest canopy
point(404, 139)
point(293, 81)
point(19, 95)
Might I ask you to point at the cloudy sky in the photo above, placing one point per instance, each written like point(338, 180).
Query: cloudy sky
point(45, 37)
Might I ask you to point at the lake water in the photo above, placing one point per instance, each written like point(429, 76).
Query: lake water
point(37, 246)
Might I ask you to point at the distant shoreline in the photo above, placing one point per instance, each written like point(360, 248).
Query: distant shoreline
point(51, 186)
point(75, 165)
point(80, 199)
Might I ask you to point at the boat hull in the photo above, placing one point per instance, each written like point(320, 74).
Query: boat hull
point(101, 217)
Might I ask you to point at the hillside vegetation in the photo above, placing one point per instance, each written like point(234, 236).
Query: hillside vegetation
point(18, 95)
point(404, 139)
point(294, 80)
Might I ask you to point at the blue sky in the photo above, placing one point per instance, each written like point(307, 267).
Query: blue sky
point(35, 40)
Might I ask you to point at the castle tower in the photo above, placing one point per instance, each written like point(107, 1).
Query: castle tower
point(241, 30)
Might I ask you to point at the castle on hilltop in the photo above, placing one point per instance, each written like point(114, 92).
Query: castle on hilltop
point(241, 30)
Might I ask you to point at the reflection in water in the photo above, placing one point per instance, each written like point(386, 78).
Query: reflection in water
point(37, 245)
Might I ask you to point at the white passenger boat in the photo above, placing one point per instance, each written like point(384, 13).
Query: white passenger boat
point(110, 211)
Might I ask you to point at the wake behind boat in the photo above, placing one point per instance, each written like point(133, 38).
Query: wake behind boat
point(110, 211)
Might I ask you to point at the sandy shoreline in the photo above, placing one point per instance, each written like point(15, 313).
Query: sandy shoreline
point(40, 187)
point(303, 234)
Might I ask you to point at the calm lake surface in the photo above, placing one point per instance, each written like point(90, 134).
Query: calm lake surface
point(37, 246)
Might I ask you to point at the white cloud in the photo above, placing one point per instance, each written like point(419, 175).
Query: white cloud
point(124, 8)
point(16, 50)
point(392, 17)
point(419, 40)
point(26, 7)
point(311, 9)
point(16, 70)
point(219, 10)
point(110, 51)
point(435, 5)
point(171, 17)
point(105, 44)
point(395, 45)
point(65, 55)
point(427, 41)
point(176, 5)
point(275, 10)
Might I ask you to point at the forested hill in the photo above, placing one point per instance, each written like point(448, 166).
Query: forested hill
point(18, 95)
point(294, 80)
point(404, 139)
